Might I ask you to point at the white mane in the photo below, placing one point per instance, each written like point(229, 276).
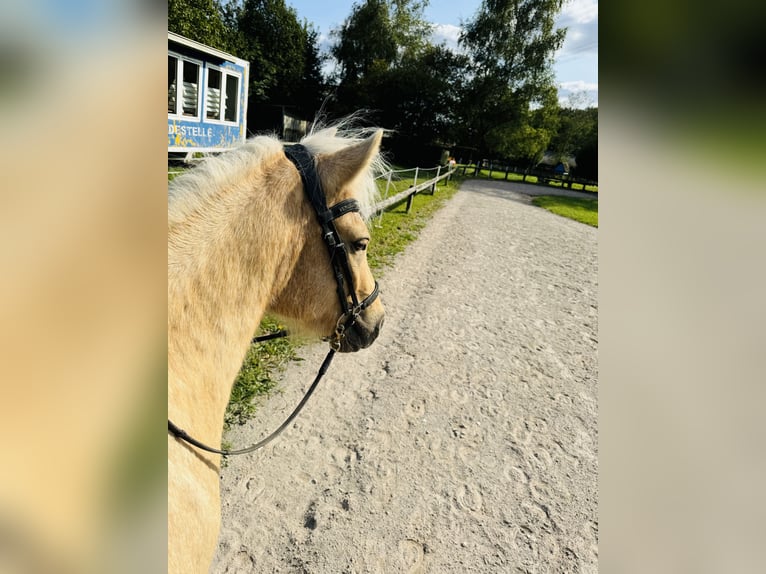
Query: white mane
point(190, 192)
point(332, 139)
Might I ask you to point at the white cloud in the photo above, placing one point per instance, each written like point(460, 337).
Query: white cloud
point(579, 12)
point(580, 17)
point(447, 34)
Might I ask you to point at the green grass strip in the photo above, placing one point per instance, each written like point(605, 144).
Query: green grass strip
point(257, 377)
point(582, 210)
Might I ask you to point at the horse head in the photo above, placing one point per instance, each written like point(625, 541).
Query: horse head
point(311, 296)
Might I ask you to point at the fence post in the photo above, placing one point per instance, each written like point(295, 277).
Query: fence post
point(410, 197)
point(385, 195)
point(436, 180)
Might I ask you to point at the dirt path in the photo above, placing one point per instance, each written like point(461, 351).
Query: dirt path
point(465, 439)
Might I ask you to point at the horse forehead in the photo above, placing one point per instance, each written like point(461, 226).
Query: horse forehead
point(351, 222)
point(339, 191)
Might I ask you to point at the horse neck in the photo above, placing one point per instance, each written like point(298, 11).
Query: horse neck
point(225, 260)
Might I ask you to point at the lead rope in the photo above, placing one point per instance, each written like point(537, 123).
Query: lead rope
point(181, 434)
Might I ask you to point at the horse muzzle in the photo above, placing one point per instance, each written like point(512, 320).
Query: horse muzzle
point(360, 335)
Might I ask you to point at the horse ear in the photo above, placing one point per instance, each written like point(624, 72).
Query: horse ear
point(345, 164)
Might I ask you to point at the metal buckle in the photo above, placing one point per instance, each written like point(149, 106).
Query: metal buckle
point(345, 321)
point(329, 239)
point(338, 335)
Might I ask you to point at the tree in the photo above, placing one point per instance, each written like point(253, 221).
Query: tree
point(410, 29)
point(417, 99)
point(577, 137)
point(377, 38)
point(313, 89)
point(511, 44)
point(199, 20)
point(514, 41)
point(377, 35)
point(365, 40)
point(388, 66)
point(285, 66)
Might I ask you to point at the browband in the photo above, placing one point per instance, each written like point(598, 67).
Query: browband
point(338, 210)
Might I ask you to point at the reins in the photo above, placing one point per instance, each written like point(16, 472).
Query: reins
point(180, 433)
point(304, 162)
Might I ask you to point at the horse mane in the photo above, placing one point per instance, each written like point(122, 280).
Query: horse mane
point(194, 190)
point(331, 139)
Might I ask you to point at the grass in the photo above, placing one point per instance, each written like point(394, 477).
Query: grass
point(582, 210)
point(257, 376)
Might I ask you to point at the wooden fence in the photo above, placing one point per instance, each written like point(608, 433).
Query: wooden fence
point(539, 176)
point(409, 193)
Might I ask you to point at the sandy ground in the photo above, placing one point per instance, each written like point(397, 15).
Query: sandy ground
point(465, 439)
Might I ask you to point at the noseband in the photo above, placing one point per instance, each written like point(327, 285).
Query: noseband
point(304, 162)
point(301, 158)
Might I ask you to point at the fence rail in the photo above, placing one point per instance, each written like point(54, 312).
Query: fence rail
point(534, 175)
point(409, 193)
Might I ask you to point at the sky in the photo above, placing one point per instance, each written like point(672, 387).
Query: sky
point(576, 64)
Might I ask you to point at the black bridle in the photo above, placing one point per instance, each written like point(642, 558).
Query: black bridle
point(304, 162)
point(300, 156)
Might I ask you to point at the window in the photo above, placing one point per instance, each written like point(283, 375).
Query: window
point(190, 98)
point(172, 84)
point(187, 85)
point(232, 98)
point(213, 100)
point(222, 95)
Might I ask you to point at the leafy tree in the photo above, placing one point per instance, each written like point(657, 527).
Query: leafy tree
point(511, 44)
point(418, 98)
point(410, 29)
point(285, 66)
point(526, 137)
point(577, 136)
point(199, 20)
point(313, 89)
point(377, 39)
point(365, 41)
point(514, 41)
point(377, 35)
point(388, 66)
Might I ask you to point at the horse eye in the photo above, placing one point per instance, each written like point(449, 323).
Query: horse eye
point(360, 245)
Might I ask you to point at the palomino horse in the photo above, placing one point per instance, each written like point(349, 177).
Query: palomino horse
point(244, 239)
